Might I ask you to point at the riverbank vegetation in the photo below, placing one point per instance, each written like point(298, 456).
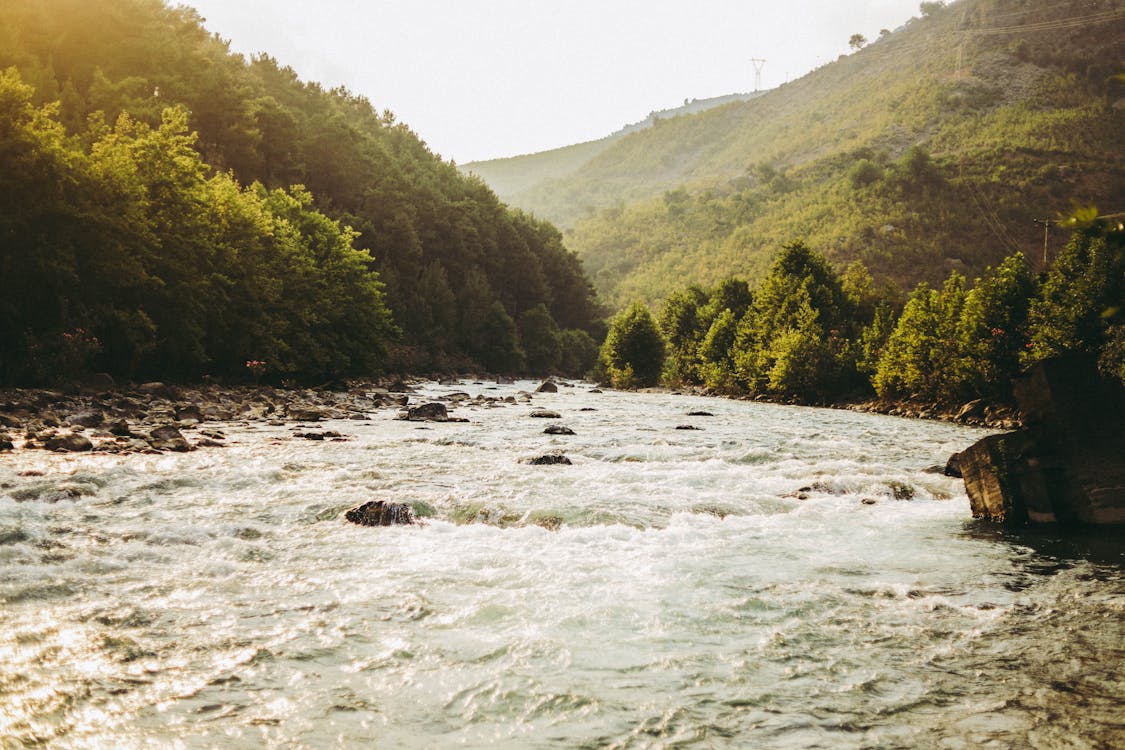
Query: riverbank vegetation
point(171, 210)
point(810, 334)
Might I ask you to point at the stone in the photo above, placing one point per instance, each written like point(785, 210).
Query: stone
point(71, 442)
point(119, 428)
point(98, 382)
point(305, 414)
point(547, 387)
point(86, 419)
point(431, 412)
point(952, 467)
point(6, 443)
point(558, 429)
point(972, 411)
point(544, 414)
point(1066, 465)
point(550, 459)
point(381, 513)
point(700, 414)
point(156, 388)
point(188, 413)
point(168, 438)
point(686, 427)
point(9, 420)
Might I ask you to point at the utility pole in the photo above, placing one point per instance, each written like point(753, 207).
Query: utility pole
point(758, 65)
point(1046, 235)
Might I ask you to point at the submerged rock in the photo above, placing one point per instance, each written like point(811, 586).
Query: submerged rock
point(700, 414)
point(688, 427)
point(381, 513)
point(431, 412)
point(72, 442)
point(558, 429)
point(544, 414)
point(550, 459)
point(168, 438)
point(1066, 466)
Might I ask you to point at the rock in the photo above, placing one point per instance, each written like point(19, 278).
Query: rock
point(558, 429)
point(547, 387)
point(431, 412)
point(544, 414)
point(700, 414)
point(11, 421)
point(1065, 466)
point(120, 428)
point(305, 414)
point(686, 427)
point(188, 413)
point(550, 459)
point(6, 443)
point(594, 390)
point(972, 411)
point(381, 513)
point(156, 389)
point(71, 442)
point(399, 387)
point(86, 419)
point(953, 466)
point(868, 501)
point(99, 382)
point(168, 438)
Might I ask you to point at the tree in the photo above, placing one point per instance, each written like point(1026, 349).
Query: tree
point(633, 353)
point(680, 324)
point(857, 41)
point(993, 327)
point(929, 8)
point(541, 340)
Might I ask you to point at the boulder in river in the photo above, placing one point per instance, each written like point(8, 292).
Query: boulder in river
point(91, 418)
point(550, 459)
point(547, 387)
point(71, 442)
point(544, 414)
point(381, 513)
point(168, 438)
point(431, 412)
point(1066, 465)
point(558, 429)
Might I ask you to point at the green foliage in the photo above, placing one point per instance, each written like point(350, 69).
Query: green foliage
point(681, 325)
point(541, 339)
point(579, 353)
point(499, 345)
point(929, 8)
point(152, 202)
point(633, 353)
point(1083, 294)
point(993, 327)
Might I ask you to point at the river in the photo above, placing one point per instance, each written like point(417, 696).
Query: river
point(781, 577)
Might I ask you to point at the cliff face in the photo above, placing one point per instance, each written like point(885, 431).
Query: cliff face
point(1068, 464)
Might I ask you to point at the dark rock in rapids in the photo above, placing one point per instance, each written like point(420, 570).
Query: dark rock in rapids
point(120, 428)
point(558, 429)
point(686, 427)
point(305, 414)
point(551, 459)
point(6, 442)
point(10, 420)
point(168, 438)
point(1066, 465)
point(547, 387)
point(71, 442)
point(431, 412)
point(700, 414)
point(381, 513)
point(188, 413)
point(594, 390)
point(544, 414)
point(953, 466)
point(86, 419)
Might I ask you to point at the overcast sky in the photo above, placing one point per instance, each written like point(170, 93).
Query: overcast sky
point(478, 79)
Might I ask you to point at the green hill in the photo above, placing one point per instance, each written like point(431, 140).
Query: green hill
point(934, 148)
point(517, 175)
point(148, 211)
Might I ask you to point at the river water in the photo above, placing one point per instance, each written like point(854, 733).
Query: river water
point(671, 588)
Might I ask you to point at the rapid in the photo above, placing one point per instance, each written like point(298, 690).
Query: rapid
point(780, 577)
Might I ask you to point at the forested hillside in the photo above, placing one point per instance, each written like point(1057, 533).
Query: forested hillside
point(171, 209)
point(933, 149)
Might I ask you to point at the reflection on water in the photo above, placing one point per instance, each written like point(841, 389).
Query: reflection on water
point(780, 578)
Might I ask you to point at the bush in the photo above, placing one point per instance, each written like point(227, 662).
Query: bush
point(633, 353)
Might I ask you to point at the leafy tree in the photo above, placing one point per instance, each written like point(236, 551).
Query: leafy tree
point(929, 8)
point(680, 323)
point(993, 327)
point(579, 353)
point(541, 340)
point(1082, 295)
point(716, 353)
point(857, 41)
point(921, 355)
point(498, 348)
point(633, 353)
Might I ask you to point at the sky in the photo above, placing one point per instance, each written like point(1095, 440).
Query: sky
point(481, 79)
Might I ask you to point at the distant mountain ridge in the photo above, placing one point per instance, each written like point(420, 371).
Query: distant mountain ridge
point(934, 148)
point(516, 174)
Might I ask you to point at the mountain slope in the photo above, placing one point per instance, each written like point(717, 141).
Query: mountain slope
point(514, 176)
point(934, 148)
